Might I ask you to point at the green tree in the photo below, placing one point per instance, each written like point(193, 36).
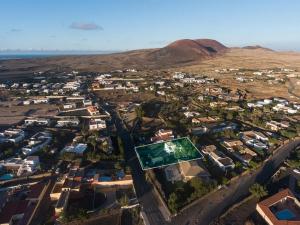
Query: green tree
point(65, 217)
point(121, 147)
point(93, 142)
point(258, 190)
point(288, 133)
point(229, 116)
point(124, 200)
point(139, 112)
point(238, 166)
point(8, 152)
point(66, 156)
point(173, 203)
point(199, 187)
point(224, 181)
point(82, 214)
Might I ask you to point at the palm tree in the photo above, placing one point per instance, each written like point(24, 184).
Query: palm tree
point(139, 112)
point(258, 190)
point(93, 142)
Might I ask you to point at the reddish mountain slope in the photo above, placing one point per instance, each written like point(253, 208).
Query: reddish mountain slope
point(186, 50)
point(178, 53)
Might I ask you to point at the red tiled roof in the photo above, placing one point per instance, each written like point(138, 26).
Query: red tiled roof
point(267, 203)
point(162, 137)
point(92, 109)
point(277, 197)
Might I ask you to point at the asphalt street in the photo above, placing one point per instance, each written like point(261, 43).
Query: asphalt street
point(205, 210)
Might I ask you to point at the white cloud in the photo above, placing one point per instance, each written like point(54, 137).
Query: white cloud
point(85, 26)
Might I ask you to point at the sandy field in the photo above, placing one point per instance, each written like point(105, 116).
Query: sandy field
point(11, 113)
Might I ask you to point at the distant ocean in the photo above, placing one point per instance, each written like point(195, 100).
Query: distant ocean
point(30, 55)
point(23, 56)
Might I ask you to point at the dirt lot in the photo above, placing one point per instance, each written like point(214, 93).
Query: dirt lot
point(250, 59)
point(11, 113)
point(122, 96)
point(239, 215)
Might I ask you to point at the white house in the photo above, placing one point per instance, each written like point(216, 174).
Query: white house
point(97, 124)
point(37, 142)
point(30, 165)
point(12, 135)
point(77, 149)
point(68, 122)
point(37, 121)
point(219, 158)
point(40, 100)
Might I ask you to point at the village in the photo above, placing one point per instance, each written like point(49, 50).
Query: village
point(64, 141)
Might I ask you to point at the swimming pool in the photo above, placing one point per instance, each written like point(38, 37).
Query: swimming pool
point(285, 215)
point(7, 176)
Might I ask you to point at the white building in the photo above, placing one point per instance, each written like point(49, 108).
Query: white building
point(254, 139)
point(27, 102)
point(77, 149)
point(219, 158)
point(97, 124)
point(87, 102)
point(37, 121)
point(12, 135)
point(72, 86)
point(22, 167)
point(40, 101)
point(69, 106)
point(37, 142)
point(30, 165)
point(68, 122)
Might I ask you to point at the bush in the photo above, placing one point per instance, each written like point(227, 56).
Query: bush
point(173, 203)
point(288, 133)
point(124, 200)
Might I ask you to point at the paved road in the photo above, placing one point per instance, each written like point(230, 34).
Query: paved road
point(24, 180)
point(213, 205)
point(143, 189)
point(45, 203)
point(208, 208)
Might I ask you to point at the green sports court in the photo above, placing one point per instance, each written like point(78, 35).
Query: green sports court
point(167, 153)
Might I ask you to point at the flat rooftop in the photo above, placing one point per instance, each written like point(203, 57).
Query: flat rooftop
point(167, 153)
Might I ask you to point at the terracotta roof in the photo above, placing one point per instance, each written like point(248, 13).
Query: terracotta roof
point(277, 197)
point(165, 137)
point(267, 203)
point(92, 109)
point(192, 169)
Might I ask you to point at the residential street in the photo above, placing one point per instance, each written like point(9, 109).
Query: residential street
point(211, 206)
point(144, 190)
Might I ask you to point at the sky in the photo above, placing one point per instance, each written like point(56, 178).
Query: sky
point(117, 25)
